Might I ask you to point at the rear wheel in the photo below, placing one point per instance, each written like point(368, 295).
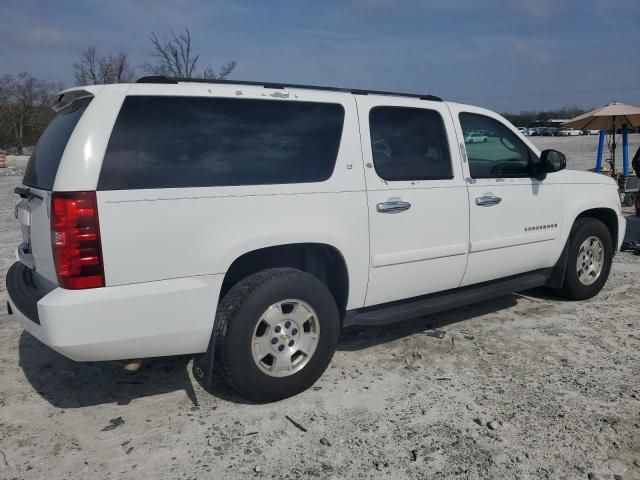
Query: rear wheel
point(589, 259)
point(276, 332)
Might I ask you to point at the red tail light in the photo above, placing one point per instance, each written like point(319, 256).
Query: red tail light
point(75, 238)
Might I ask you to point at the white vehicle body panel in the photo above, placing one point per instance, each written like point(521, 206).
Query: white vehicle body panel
point(166, 251)
point(151, 319)
point(82, 159)
point(183, 232)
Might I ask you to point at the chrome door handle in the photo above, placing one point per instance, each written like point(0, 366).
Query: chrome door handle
point(393, 206)
point(488, 200)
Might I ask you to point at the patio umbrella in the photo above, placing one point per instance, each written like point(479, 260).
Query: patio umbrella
point(611, 117)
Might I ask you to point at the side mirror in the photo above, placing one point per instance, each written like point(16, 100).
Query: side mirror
point(553, 160)
point(550, 161)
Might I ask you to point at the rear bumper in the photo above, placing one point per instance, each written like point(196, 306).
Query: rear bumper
point(167, 317)
point(23, 292)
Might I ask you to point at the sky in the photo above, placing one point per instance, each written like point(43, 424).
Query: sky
point(507, 55)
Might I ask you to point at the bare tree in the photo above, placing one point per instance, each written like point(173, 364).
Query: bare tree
point(224, 71)
point(25, 107)
point(93, 69)
point(175, 57)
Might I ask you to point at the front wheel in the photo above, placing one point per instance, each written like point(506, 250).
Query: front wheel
point(276, 332)
point(589, 259)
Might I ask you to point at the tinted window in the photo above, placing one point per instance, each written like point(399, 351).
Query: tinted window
point(493, 150)
point(45, 159)
point(409, 144)
point(164, 142)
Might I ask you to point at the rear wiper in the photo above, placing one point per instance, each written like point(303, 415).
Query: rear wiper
point(25, 192)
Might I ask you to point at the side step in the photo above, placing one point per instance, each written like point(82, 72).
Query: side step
point(437, 302)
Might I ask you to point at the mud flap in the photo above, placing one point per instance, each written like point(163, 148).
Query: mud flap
point(204, 366)
point(556, 279)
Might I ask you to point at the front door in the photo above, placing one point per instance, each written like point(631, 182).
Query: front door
point(515, 220)
point(417, 197)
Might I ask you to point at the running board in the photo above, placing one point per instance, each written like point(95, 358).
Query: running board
point(437, 302)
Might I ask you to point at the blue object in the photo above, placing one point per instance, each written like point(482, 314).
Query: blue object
point(603, 133)
point(625, 151)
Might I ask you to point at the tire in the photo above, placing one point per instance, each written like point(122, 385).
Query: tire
point(241, 315)
point(574, 288)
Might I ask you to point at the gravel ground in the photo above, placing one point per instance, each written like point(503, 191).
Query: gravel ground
point(526, 386)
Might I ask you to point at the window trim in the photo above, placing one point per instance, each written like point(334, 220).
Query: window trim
point(531, 160)
point(446, 138)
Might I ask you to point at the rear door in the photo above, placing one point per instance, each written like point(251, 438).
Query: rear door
point(33, 209)
point(417, 198)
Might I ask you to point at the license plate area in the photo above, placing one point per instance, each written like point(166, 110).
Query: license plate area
point(23, 214)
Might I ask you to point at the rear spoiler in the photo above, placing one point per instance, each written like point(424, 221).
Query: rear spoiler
point(66, 98)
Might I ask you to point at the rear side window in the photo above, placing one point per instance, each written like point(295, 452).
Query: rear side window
point(45, 159)
point(170, 142)
point(409, 144)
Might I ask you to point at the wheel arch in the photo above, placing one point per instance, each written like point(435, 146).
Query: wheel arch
point(606, 215)
point(321, 260)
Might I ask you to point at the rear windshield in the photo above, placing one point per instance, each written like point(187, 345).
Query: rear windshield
point(169, 142)
point(43, 164)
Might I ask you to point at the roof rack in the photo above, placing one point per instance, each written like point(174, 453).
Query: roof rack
point(174, 80)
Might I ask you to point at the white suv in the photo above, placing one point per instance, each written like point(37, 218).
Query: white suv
point(249, 222)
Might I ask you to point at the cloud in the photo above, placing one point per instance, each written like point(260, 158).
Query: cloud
point(539, 10)
point(45, 37)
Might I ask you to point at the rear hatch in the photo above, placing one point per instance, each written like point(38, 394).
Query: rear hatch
point(33, 211)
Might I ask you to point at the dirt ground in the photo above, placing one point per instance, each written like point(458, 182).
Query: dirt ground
point(581, 149)
point(525, 386)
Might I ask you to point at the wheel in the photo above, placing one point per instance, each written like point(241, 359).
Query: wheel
point(275, 333)
point(484, 140)
point(589, 259)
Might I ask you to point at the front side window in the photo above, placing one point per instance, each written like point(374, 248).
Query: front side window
point(493, 150)
point(171, 142)
point(409, 144)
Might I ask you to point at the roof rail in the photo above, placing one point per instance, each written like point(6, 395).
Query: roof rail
point(174, 80)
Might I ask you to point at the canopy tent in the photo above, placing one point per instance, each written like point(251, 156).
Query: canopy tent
point(611, 117)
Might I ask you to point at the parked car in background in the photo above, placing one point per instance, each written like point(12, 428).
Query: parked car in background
point(550, 132)
point(569, 132)
point(524, 131)
point(248, 223)
point(591, 132)
point(475, 138)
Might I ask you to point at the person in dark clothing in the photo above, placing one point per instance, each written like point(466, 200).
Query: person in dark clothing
point(635, 163)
